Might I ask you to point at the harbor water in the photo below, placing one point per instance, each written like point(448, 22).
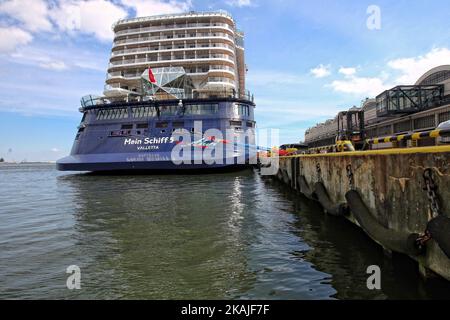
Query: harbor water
point(216, 236)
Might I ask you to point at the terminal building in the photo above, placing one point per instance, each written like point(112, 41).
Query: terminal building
point(401, 110)
point(205, 46)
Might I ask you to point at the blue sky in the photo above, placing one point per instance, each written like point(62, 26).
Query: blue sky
point(307, 60)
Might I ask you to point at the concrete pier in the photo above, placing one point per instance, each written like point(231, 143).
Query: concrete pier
point(385, 193)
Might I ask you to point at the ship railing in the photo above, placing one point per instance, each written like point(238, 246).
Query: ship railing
point(91, 101)
point(169, 16)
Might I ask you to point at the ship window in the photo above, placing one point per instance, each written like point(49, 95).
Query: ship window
point(84, 117)
point(243, 110)
point(202, 109)
point(162, 124)
point(249, 124)
point(127, 126)
point(236, 123)
point(178, 124)
point(168, 110)
point(80, 130)
point(101, 114)
point(108, 114)
point(142, 126)
point(116, 133)
point(143, 112)
point(111, 114)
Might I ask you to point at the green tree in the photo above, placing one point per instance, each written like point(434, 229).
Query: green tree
point(2, 160)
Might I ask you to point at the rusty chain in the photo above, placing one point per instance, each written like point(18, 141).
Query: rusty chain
point(350, 176)
point(319, 172)
point(431, 189)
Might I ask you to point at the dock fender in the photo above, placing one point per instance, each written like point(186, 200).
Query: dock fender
point(286, 179)
point(305, 189)
point(439, 228)
point(280, 175)
point(399, 241)
point(324, 199)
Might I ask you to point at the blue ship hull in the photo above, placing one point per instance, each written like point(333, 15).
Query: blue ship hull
point(122, 162)
point(133, 137)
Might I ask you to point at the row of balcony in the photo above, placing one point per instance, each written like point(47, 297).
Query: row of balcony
point(192, 46)
point(221, 79)
point(170, 58)
point(173, 27)
point(175, 36)
point(199, 70)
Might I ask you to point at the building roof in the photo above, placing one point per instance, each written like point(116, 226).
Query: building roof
point(435, 71)
point(190, 14)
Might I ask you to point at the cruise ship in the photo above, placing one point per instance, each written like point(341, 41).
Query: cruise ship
point(174, 93)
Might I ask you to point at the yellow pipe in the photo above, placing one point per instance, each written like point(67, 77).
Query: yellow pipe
point(416, 136)
point(400, 137)
point(432, 149)
point(435, 133)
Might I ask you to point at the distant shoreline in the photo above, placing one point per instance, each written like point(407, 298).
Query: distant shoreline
point(29, 162)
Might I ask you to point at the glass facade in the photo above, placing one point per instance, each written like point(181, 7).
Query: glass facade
point(437, 77)
point(445, 116)
point(425, 122)
point(408, 99)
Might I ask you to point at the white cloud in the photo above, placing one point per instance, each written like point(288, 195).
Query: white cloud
point(413, 68)
point(54, 150)
point(11, 37)
point(58, 58)
point(409, 71)
point(321, 71)
point(90, 17)
point(32, 14)
point(54, 65)
point(240, 3)
point(93, 17)
point(347, 71)
point(154, 7)
point(364, 86)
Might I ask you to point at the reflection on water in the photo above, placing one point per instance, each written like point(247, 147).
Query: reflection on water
point(182, 237)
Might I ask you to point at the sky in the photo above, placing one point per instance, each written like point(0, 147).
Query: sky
point(307, 59)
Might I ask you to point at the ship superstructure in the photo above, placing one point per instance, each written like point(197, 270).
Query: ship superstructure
point(206, 44)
